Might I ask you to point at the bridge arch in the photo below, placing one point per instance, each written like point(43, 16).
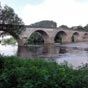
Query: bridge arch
point(15, 36)
point(75, 37)
point(85, 36)
point(8, 29)
point(43, 34)
point(60, 37)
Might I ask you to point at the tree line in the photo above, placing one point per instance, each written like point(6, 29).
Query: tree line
point(53, 24)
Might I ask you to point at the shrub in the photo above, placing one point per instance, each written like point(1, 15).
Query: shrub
point(18, 72)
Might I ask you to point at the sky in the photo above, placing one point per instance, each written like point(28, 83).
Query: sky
point(64, 12)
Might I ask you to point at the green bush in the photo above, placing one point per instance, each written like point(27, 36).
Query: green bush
point(18, 72)
point(9, 41)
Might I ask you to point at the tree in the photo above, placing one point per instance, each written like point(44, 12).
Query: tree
point(64, 26)
point(78, 27)
point(45, 24)
point(58, 39)
point(86, 27)
point(35, 38)
point(9, 21)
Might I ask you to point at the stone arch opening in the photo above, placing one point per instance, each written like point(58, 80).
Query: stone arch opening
point(60, 37)
point(85, 37)
point(37, 42)
point(8, 43)
point(75, 37)
point(9, 29)
point(38, 37)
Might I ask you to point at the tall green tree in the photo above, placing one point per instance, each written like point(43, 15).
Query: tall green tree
point(9, 21)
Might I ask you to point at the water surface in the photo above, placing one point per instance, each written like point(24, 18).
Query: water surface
point(74, 53)
point(8, 50)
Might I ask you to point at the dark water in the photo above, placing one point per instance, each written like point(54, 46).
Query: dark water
point(74, 53)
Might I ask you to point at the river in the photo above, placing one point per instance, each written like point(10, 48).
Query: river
point(8, 50)
point(75, 54)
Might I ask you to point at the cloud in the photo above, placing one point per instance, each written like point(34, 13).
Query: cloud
point(64, 12)
point(35, 2)
point(49, 10)
point(83, 1)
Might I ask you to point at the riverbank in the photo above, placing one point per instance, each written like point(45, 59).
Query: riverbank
point(16, 72)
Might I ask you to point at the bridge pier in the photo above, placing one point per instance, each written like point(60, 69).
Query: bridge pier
point(23, 49)
point(49, 48)
point(23, 52)
point(66, 39)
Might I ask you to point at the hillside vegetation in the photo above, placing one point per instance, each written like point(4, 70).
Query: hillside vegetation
point(45, 24)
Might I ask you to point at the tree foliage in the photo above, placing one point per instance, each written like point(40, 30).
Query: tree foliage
point(35, 38)
point(9, 21)
point(8, 41)
point(64, 26)
point(58, 39)
point(86, 27)
point(45, 24)
point(80, 28)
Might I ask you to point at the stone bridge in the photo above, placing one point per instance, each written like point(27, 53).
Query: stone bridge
point(49, 35)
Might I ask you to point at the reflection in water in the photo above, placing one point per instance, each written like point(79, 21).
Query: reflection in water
point(76, 57)
point(75, 53)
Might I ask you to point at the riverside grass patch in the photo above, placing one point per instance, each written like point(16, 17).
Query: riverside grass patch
point(16, 72)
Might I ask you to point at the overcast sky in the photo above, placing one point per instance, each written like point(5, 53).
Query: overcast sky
point(64, 12)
